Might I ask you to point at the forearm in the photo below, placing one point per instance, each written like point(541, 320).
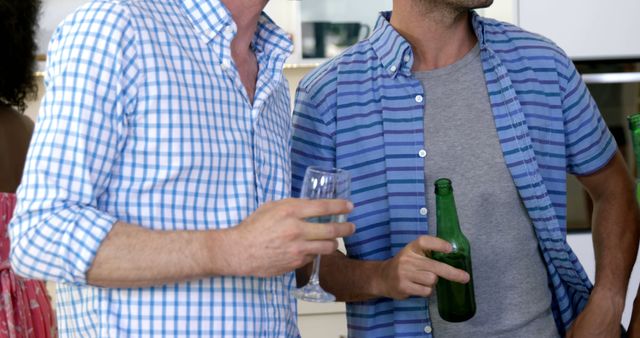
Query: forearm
point(615, 239)
point(132, 256)
point(350, 280)
point(272, 241)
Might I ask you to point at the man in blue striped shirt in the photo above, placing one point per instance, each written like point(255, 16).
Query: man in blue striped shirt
point(439, 91)
point(151, 189)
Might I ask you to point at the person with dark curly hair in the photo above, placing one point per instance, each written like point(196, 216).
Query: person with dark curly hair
point(25, 308)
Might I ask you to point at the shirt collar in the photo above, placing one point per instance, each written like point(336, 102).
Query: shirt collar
point(208, 17)
point(271, 39)
point(395, 52)
point(211, 18)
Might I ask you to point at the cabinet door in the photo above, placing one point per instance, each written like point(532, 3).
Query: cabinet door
point(322, 320)
point(586, 29)
point(331, 325)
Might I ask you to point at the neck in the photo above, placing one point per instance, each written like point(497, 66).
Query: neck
point(245, 14)
point(438, 34)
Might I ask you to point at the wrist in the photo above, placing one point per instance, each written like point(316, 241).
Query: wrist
point(612, 297)
point(378, 284)
point(225, 251)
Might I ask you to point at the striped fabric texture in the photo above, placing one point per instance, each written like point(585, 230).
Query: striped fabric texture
point(146, 121)
point(363, 111)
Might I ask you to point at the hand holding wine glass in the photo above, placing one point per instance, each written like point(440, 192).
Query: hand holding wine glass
point(277, 238)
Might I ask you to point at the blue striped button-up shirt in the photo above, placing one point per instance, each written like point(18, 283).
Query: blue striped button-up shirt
point(363, 111)
point(146, 121)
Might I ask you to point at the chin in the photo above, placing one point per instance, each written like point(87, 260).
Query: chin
point(480, 3)
point(468, 4)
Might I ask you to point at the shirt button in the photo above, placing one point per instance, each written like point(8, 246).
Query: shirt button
point(407, 58)
point(428, 329)
point(225, 64)
point(424, 211)
point(393, 69)
point(419, 98)
point(422, 153)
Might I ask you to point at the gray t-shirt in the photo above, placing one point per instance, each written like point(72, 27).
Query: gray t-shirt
point(511, 287)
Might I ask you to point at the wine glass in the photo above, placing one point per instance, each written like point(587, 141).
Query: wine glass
point(322, 183)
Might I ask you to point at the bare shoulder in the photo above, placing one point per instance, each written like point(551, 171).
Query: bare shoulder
point(15, 132)
point(14, 123)
point(28, 123)
point(15, 135)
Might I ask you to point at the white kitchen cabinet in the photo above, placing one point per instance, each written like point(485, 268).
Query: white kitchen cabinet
point(322, 320)
point(586, 29)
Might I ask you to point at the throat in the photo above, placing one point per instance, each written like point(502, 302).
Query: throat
point(247, 65)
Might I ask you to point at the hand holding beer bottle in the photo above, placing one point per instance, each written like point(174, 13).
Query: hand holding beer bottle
point(413, 273)
point(427, 263)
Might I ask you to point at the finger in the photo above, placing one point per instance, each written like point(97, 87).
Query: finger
point(419, 290)
point(323, 231)
point(424, 278)
point(314, 248)
point(446, 271)
point(323, 207)
point(427, 244)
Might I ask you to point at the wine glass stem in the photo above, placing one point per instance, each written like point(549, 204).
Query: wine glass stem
point(315, 275)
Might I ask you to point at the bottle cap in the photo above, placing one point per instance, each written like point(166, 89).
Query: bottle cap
point(443, 186)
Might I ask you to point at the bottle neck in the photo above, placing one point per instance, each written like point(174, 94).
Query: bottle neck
point(446, 214)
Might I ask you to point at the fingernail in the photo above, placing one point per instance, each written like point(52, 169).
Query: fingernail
point(350, 205)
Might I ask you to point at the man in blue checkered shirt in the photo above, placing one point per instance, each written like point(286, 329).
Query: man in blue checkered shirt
point(154, 190)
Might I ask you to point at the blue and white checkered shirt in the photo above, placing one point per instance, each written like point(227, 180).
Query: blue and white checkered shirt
point(145, 121)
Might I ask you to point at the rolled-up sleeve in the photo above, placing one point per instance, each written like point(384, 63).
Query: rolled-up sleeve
point(58, 223)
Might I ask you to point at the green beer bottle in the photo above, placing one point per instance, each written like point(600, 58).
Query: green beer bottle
point(456, 302)
point(634, 125)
